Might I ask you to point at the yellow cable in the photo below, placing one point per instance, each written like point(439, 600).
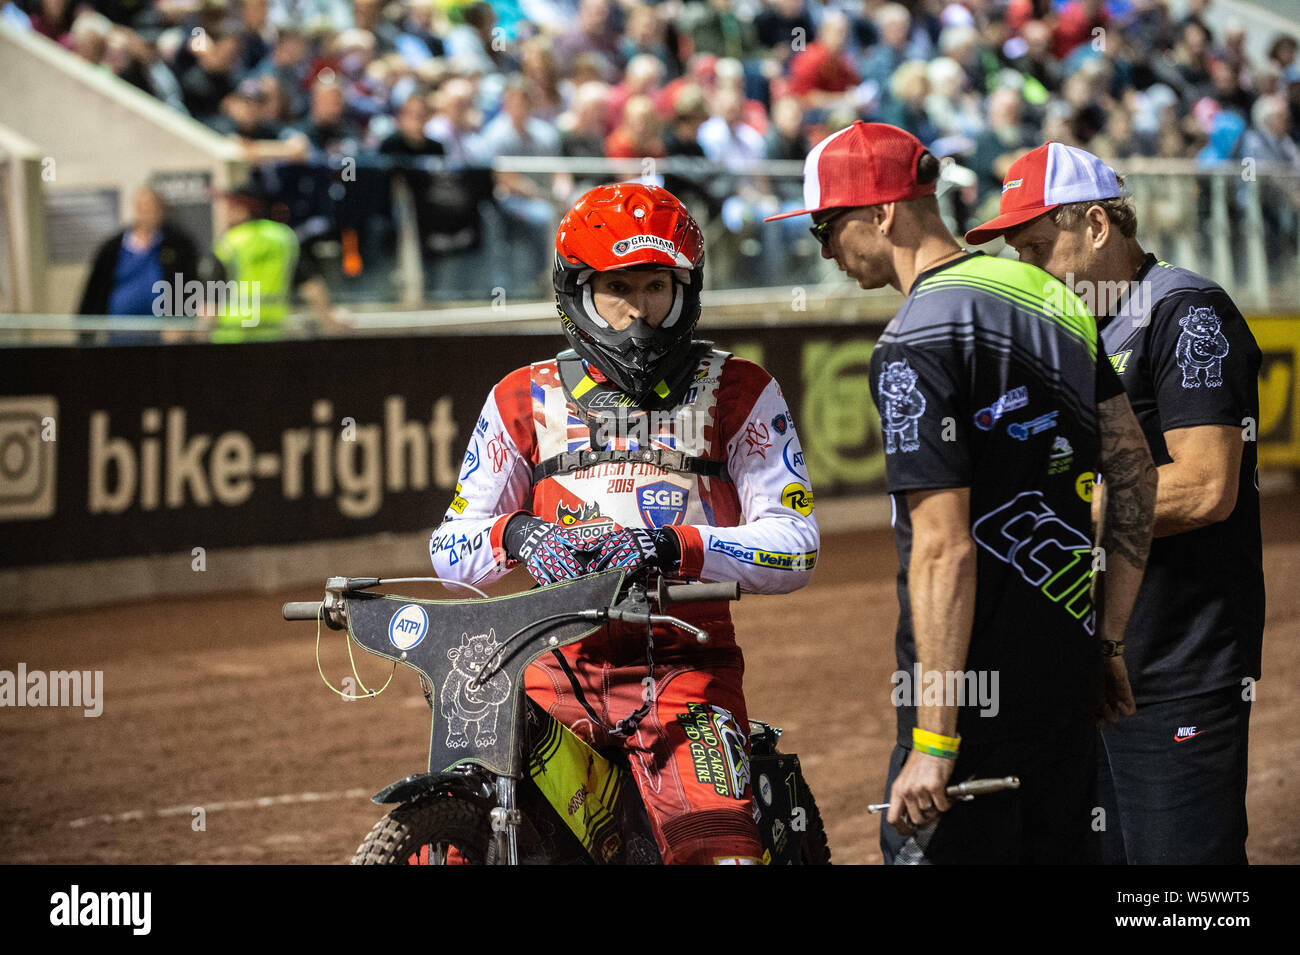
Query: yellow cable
point(370, 694)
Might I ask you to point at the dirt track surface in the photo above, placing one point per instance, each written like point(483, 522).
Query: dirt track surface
point(215, 704)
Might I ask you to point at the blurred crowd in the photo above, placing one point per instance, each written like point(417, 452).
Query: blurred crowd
point(723, 82)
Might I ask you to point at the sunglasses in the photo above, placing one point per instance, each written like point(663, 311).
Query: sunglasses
point(822, 232)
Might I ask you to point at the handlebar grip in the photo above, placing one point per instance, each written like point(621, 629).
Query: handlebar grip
point(301, 610)
point(697, 593)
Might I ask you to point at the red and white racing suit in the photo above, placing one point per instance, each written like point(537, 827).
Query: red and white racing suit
point(753, 524)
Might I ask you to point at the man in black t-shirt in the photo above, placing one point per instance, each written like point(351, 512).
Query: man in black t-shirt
point(995, 416)
point(1175, 774)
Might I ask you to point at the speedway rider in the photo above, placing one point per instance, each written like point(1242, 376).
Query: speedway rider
point(645, 449)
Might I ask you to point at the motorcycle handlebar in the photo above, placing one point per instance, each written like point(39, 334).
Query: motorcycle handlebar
point(696, 593)
point(302, 610)
point(667, 593)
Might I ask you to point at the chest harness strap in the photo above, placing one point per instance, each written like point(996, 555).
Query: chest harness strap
point(585, 395)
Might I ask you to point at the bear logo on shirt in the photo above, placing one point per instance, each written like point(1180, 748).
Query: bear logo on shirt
point(1201, 348)
point(900, 407)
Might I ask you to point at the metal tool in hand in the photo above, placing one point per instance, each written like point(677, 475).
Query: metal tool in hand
point(966, 791)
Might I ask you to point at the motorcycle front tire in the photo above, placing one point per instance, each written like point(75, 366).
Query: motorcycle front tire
point(435, 829)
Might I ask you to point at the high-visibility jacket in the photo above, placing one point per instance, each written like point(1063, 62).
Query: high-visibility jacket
point(259, 258)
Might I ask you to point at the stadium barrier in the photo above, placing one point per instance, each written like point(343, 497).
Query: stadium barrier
point(1279, 391)
point(141, 461)
point(421, 232)
point(121, 451)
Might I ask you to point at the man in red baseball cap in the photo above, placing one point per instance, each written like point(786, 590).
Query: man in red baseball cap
point(858, 169)
point(989, 367)
point(1190, 366)
point(1043, 179)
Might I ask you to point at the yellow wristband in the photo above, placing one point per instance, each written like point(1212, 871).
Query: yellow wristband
point(934, 751)
point(935, 744)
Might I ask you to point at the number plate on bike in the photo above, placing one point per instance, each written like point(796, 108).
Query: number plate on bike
point(473, 654)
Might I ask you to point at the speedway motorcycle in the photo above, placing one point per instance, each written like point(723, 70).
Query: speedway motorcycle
point(507, 784)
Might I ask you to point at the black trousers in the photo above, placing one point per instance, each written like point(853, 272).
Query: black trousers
point(1049, 820)
point(1172, 781)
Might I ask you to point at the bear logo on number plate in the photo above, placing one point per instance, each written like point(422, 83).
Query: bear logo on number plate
point(661, 503)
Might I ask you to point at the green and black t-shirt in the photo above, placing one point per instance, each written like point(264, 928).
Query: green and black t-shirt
point(988, 378)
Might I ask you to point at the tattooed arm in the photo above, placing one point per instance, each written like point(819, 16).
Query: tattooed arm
point(1199, 487)
point(1127, 513)
point(1129, 497)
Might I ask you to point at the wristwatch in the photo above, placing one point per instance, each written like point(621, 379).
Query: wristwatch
point(1112, 648)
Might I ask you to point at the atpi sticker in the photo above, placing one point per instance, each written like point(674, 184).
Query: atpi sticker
point(408, 626)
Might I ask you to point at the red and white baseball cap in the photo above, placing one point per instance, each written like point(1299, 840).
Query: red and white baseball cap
point(862, 165)
point(1042, 179)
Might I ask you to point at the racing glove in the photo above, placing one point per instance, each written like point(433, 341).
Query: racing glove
point(548, 552)
point(640, 551)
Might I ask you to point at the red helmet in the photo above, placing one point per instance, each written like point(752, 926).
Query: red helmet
point(620, 226)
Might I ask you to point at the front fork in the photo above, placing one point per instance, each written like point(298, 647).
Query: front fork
point(505, 818)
